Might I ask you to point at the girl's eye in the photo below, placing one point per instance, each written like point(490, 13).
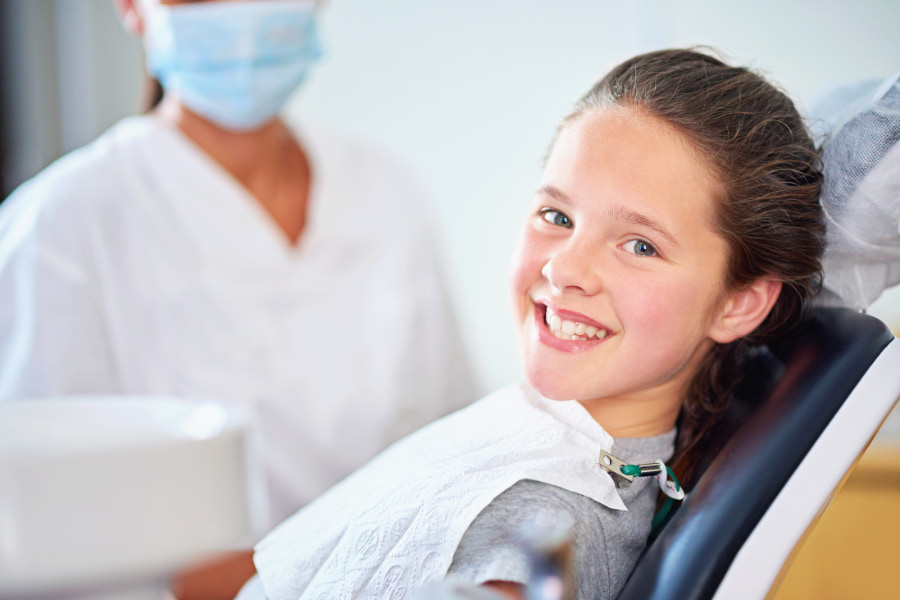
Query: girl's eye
point(554, 217)
point(640, 248)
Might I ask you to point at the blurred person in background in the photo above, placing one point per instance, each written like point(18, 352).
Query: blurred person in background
point(214, 249)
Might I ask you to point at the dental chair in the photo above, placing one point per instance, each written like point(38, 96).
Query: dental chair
point(788, 441)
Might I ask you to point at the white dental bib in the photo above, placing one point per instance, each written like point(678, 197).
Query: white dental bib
point(395, 524)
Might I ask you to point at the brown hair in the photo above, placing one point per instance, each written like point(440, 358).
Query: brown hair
point(151, 94)
point(757, 144)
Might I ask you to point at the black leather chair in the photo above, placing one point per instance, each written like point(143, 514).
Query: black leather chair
point(788, 440)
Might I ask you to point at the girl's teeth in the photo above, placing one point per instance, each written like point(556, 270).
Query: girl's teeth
point(555, 323)
point(572, 330)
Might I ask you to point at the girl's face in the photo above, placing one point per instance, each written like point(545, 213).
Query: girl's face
point(618, 280)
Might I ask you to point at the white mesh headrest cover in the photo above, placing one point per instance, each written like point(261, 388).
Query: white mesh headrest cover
point(860, 126)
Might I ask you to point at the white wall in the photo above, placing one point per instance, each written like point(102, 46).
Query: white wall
point(99, 68)
point(468, 93)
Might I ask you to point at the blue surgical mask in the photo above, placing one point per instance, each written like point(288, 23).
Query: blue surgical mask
point(234, 63)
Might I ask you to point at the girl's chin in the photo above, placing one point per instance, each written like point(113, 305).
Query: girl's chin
point(548, 388)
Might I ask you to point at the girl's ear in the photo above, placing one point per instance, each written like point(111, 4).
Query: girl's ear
point(131, 17)
point(745, 309)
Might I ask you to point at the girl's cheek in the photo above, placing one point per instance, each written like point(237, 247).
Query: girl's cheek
point(518, 281)
point(525, 268)
point(519, 253)
point(655, 304)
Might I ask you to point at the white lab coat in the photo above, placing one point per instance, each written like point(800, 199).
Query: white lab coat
point(137, 265)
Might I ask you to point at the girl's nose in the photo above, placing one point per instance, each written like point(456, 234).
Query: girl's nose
point(572, 272)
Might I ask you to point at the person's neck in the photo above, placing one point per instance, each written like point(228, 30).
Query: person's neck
point(640, 416)
point(241, 153)
point(268, 162)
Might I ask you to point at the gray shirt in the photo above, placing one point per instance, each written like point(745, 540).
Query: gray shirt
point(606, 542)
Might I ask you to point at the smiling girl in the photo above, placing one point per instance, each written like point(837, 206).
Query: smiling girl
point(676, 225)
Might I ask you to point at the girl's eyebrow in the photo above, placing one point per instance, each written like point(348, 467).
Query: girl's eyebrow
point(620, 213)
point(554, 193)
point(617, 213)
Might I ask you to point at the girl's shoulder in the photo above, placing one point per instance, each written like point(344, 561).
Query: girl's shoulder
point(501, 543)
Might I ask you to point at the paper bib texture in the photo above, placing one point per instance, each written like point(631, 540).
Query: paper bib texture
point(394, 525)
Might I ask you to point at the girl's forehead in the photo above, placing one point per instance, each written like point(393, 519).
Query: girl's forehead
point(628, 147)
point(627, 126)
